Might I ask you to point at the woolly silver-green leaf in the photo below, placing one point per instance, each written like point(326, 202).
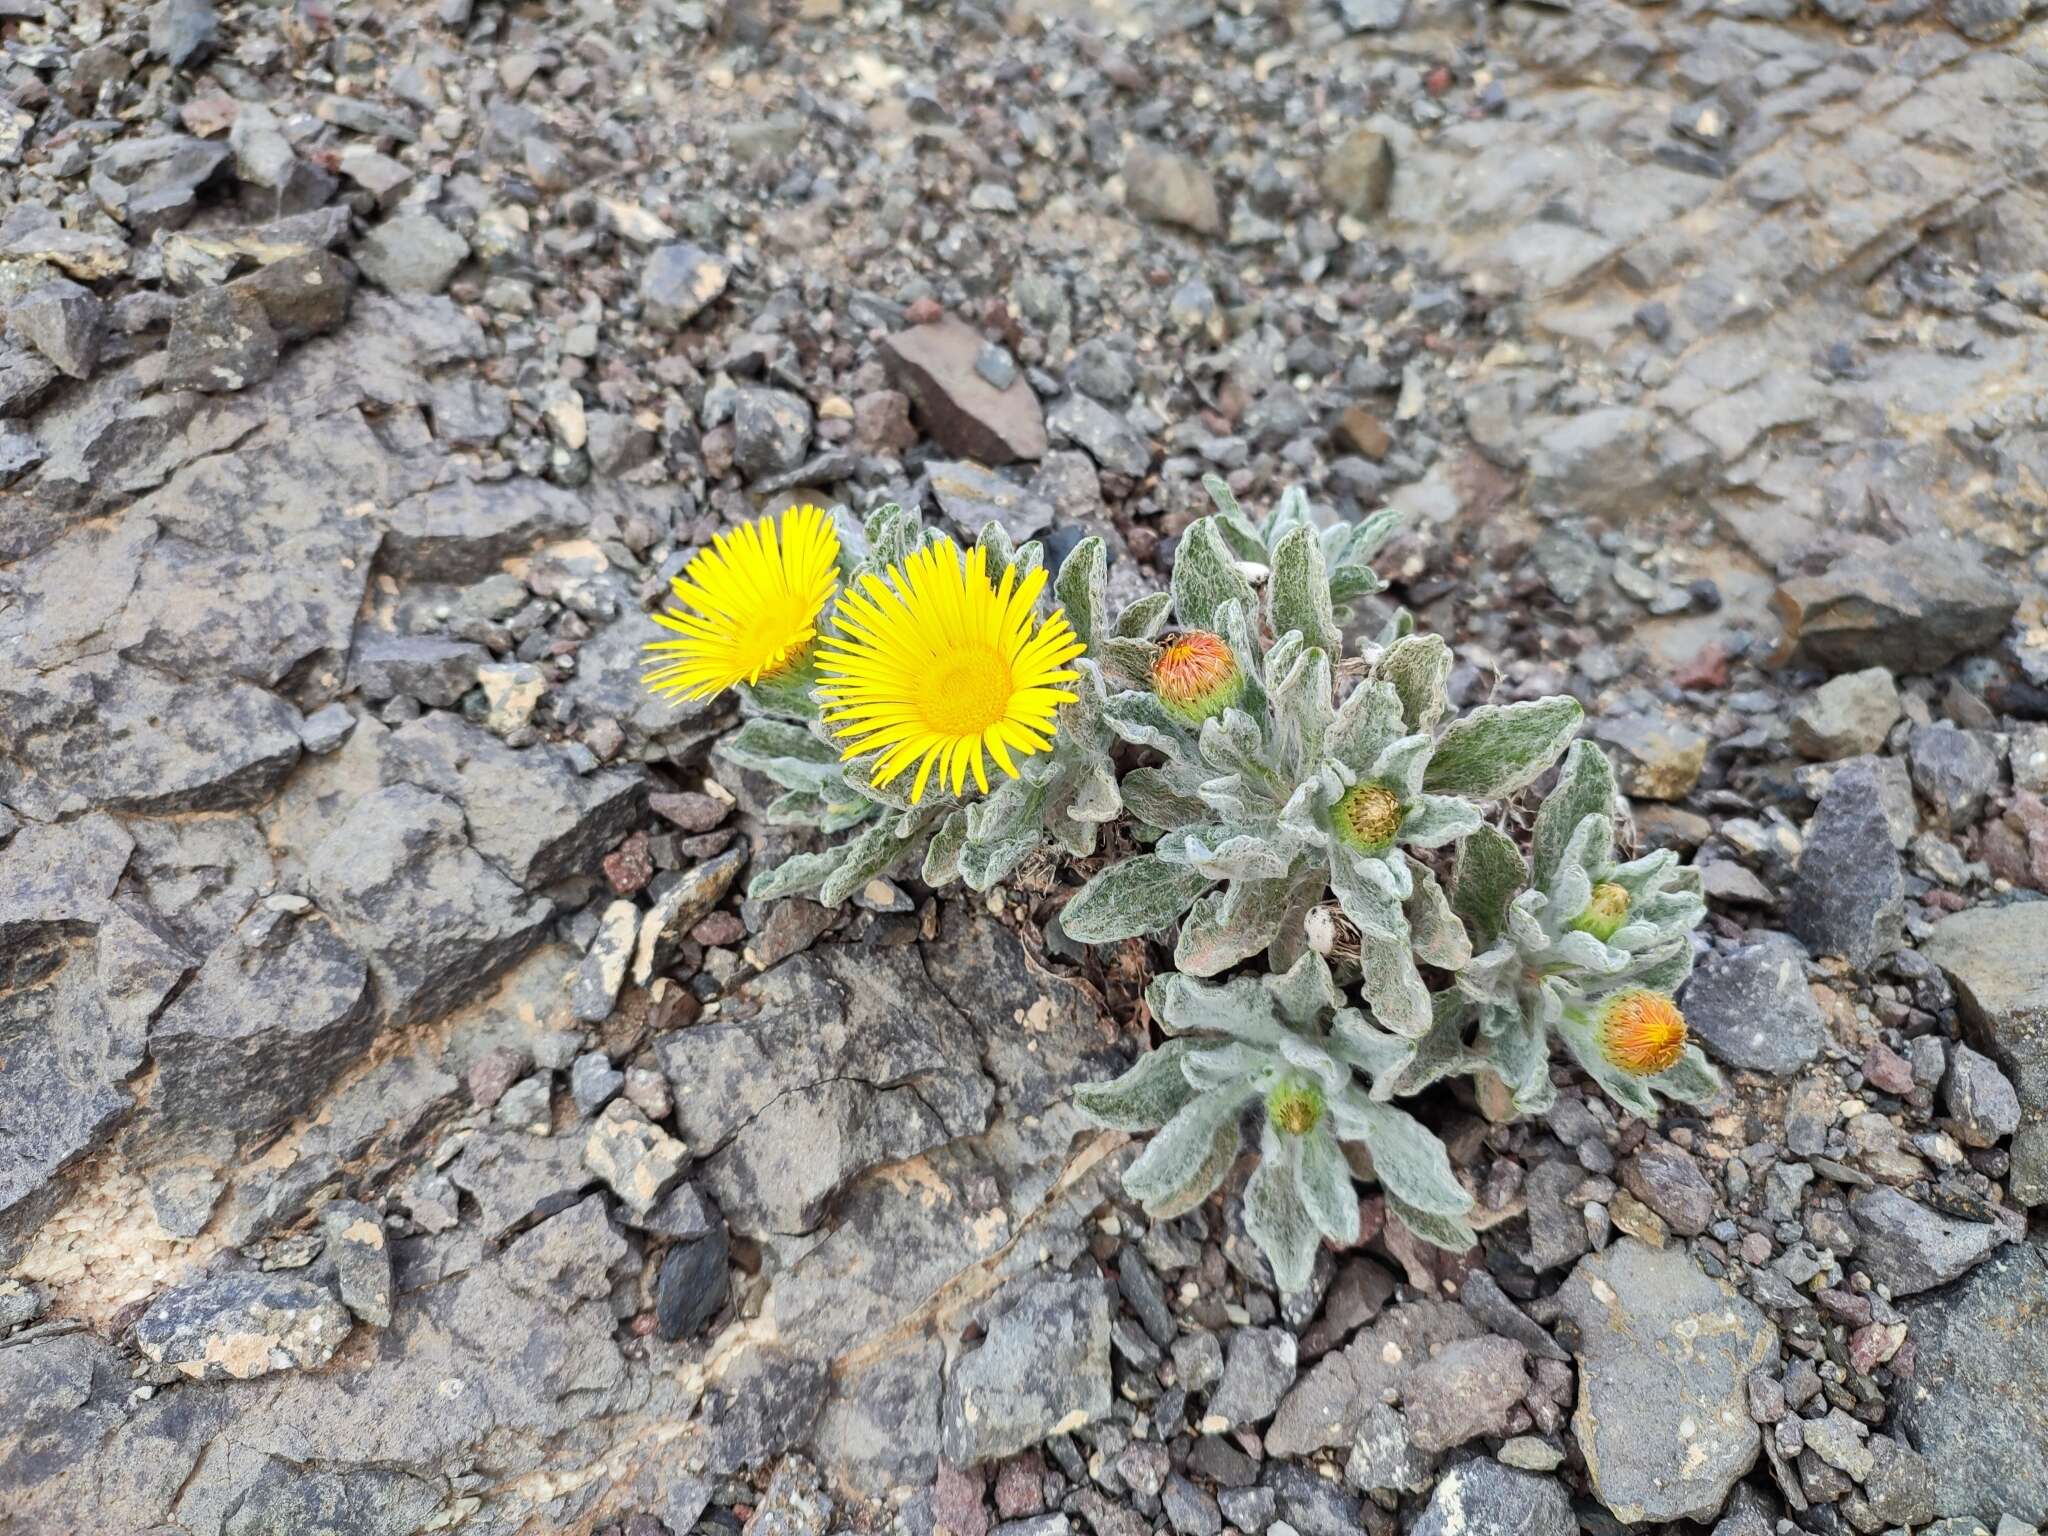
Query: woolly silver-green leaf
point(1233, 924)
point(1137, 896)
point(1239, 1009)
point(1298, 594)
point(1082, 588)
point(1149, 795)
point(1187, 1158)
point(1276, 1218)
point(869, 856)
point(942, 853)
point(1419, 668)
point(1501, 748)
point(1488, 872)
point(1144, 1098)
point(1407, 1159)
point(1144, 618)
point(1451, 1233)
point(1326, 1188)
point(1585, 787)
point(1439, 938)
point(1205, 577)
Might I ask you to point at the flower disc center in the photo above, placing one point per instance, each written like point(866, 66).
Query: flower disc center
point(966, 693)
point(1369, 815)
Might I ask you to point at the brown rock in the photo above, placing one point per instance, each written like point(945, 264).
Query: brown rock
point(1361, 431)
point(881, 422)
point(1171, 189)
point(970, 418)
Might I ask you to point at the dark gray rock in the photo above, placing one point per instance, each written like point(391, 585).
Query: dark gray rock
point(1664, 1353)
point(966, 415)
point(1258, 1368)
point(1666, 1179)
point(527, 809)
point(20, 452)
point(181, 31)
point(153, 183)
point(359, 1253)
point(1955, 771)
point(304, 294)
point(1468, 1389)
point(1384, 1458)
point(1484, 1498)
point(677, 283)
point(972, 496)
point(462, 530)
point(104, 734)
point(1752, 1008)
point(692, 1284)
point(1980, 1377)
point(769, 1400)
point(569, 1259)
point(221, 341)
point(1330, 1401)
point(1189, 1510)
point(832, 1062)
point(594, 1081)
point(1997, 960)
point(412, 253)
point(1913, 608)
point(1900, 1485)
point(771, 429)
point(1110, 440)
point(515, 1177)
point(436, 922)
point(436, 671)
point(1043, 1369)
point(64, 322)
point(276, 1014)
point(1983, 1106)
point(25, 377)
point(1986, 21)
point(1848, 897)
point(345, 1501)
point(1908, 1248)
point(1557, 1230)
point(235, 1325)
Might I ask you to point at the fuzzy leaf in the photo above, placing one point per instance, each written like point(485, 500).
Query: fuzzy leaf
point(1389, 981)
point(1127, 664)
point(798, 872)
point(1438, 819)
point(1353, 545)
point(1305, 993)
point(1408, 1160)
point(1440, 939)
point(1142, 720)
point(1220, 855)
point(1189, 1155)
point(868, 856)
point(1240, 534)
point(1276, 1218)
point(1205, 577)
point(1690, 1080)
point(1298, 595)
point(1144, 1098)
point(1136, 896)
point(1150, 796)
point(1326, 1187)
point(1368, 722)
point(787, 753)
point(1450, 1233)
point(1663, 970)
point(1082, 588)
point(1488, 873)
point(1419, 667)
point(1585, 787)
point(1239, 1009)
point(1302, 716)
point(1500, 748)
point(1144, 618)
point(1232, 924)
point(942, 853)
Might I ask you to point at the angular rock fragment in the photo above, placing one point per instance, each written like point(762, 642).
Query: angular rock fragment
point(967, 416)
point(235, 1326)
point(360, 1256)
point(636, 1158)
point(412, 253)
point(1912, 608)
point(1849, 895)
point(460, 531)
point(1997, 960)
point(1171, 188)
point(677, 282)
point(1907, 1248)
point(1043, 1369)
point(64, 322)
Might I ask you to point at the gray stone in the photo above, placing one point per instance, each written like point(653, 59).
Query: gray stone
point(1838, 1440)
point(1258, 1368)
point(1484, 1498)
point(25, 377)
point(182, 1199)
point(637, 1159)
point(1664, 1352)
point(1660, 756)
point(693, 1282)
point(1042, 1369)
point(302, 295)
point(1326, 1407)
point(677, 282)
point(972, 496)
point(1189, 1510)
point(285, 1497)
point(1848, 896)
point(830, 1063)
point(1358, 174)
point(514, 1177)
point(461, 531)
point(1983, 1106)
point(1899, 1485)
point(594, 1081)
point(1847, 716)
point(1598, 462)
point(235, 1326)
point(275, 1016)
point(1986, 21)
point(568, 1259)
point(153, 183)
point(1955, 772)
point(1198, 1360)
point(436, 671)
point(680, 908)
point(1980, 1378)
point(20, 452)
point(967, 416)
point(1997, 960)
point(771, 429)
point(527, 1106)
point(1171, 188)
point(603, 970)
point(1752, 1008)
point(1666, 1179)
point(1913, 608)
point(181, 31)
point(1384, 1457)
point(360, 1254)
point(64, 322)
point(1108, 437)
point(1468, 1389)
point(1557, 1232)
point(436, 922)
point(412, 253)
point(1907, 1248)
point(326, 729)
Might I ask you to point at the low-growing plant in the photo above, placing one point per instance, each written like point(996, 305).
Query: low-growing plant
point(1280, 799)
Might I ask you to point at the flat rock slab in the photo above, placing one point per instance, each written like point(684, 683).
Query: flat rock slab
point(1664, 1352)
point(970, 418)
point(1913, 608)
point(1997, 960)
point(1974, 1405)
point(237, 1326)
point(1042, 1370)
point(1752, 1008)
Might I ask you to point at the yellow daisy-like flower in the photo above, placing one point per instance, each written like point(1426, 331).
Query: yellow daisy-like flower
point(1642, 1032)
point(939, 663)
point(748, 607)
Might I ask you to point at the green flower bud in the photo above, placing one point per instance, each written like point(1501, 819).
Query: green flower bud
point(1295, 1106)
point(1196, 676)
point(1368, 817)
point(1605, 913)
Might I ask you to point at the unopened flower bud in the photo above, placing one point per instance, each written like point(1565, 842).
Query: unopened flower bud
point(1642, 1032)
point(1605, 913)
point(1368, 817)
point(1196, 676)
point(1295, 1106)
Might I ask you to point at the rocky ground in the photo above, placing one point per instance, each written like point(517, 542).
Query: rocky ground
point(404, 1123)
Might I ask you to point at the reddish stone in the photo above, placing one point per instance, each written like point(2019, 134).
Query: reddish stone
point(719, 928)
point(1020, 1486)
point(495, 1071)
point(881, 422)
point(629, 866)
point(923, 311)
point(969, 417)
point(1706, 672)
point(1887, 1071)
point(957, 1509)
point(1439, 80)
point(689, 810)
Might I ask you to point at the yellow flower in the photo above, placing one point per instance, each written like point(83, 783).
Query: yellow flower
point(939, 663)
point(748, 607)
point(1642, 1032)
